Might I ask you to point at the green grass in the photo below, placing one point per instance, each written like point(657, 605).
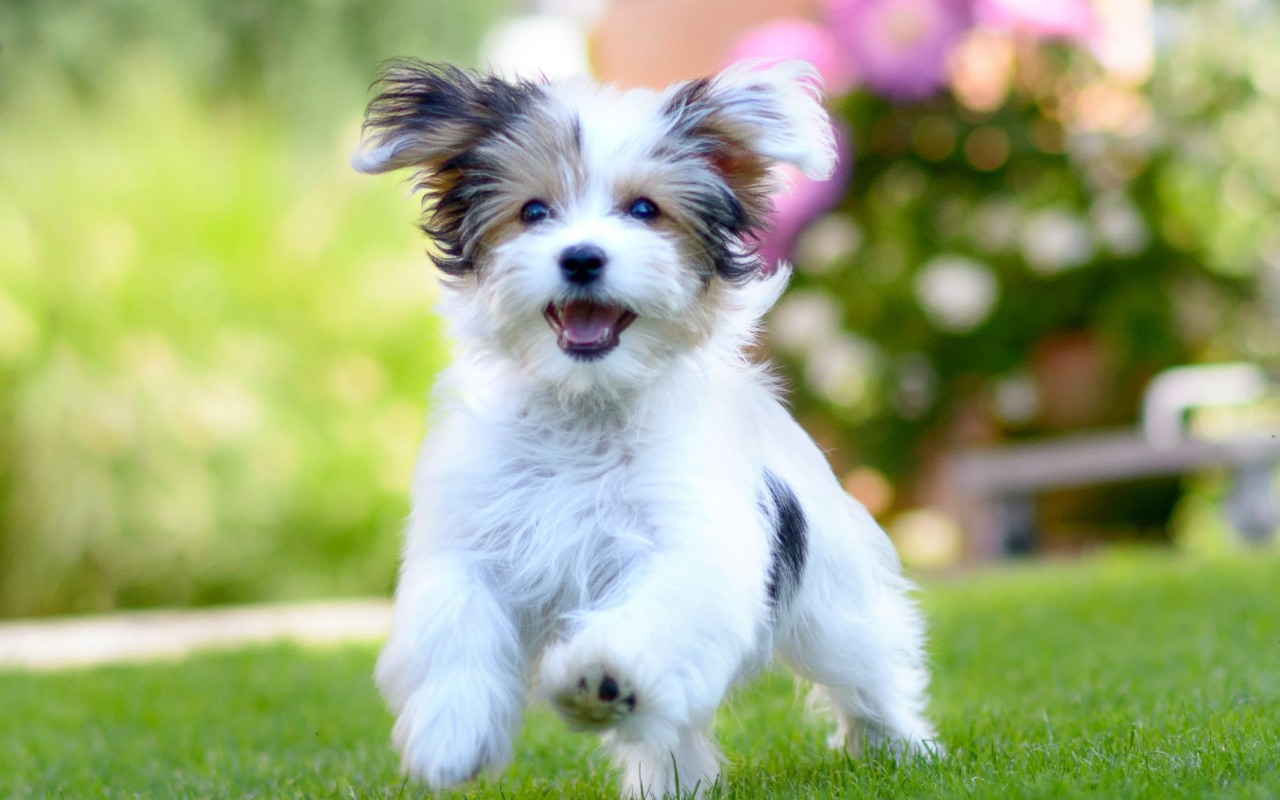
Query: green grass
point(1132, 676)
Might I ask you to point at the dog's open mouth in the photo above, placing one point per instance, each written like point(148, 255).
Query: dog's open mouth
point(585, 329)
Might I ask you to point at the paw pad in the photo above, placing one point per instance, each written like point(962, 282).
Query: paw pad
point(596, 700)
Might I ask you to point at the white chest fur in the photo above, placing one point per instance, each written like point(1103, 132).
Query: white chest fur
point(562, 505)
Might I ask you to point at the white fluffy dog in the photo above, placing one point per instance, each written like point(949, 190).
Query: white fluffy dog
point(612, 503)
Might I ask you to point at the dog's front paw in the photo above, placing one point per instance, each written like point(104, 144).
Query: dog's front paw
point(596, 699)
point(588, 692)
point(442, 744)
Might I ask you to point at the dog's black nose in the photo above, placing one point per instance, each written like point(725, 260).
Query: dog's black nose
point(582, 263)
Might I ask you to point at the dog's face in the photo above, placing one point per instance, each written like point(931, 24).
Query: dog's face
point(593, 236)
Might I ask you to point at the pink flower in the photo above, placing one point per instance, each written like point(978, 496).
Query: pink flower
point(899, 47)
point(804, 202)
point(787, 38)
point(1046, 19)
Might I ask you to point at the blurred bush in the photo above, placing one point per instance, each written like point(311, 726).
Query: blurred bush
point(292, 59)
point(1049, 202)
point(213, 355)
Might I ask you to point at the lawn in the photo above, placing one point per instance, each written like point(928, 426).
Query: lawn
point(1132, 675)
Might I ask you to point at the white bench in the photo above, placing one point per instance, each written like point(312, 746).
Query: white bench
point(1000, 483)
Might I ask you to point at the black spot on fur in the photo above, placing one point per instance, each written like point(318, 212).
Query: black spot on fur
point(789, 545)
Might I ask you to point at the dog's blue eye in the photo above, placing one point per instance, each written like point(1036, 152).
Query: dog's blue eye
point(644, 208)
point(534, 211)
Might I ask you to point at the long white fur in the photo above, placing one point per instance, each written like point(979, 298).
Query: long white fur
point(573, 520)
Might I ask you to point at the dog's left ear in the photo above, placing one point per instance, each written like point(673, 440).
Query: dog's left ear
point(753, 115)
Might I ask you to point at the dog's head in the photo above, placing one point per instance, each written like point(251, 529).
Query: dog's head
point(593, 236)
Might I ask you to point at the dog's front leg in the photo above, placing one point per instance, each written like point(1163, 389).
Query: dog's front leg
point(653, 665)
point(452, 671)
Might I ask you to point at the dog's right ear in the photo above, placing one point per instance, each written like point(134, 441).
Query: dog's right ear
point(436, 119)
point(425, 115)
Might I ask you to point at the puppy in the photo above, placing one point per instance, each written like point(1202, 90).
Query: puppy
point(611, 503)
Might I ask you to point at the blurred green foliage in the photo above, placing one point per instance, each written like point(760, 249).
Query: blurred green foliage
point(1019, 267)
point(292, 58)
point(215, 340)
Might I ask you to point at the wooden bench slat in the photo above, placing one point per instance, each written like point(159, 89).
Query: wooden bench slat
point(1099, 458)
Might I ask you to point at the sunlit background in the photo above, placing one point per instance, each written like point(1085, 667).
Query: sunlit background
point(216, 340)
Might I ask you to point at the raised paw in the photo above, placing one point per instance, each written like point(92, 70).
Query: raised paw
point(596, 699)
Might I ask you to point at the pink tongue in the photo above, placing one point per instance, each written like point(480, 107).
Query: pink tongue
point(587, 323)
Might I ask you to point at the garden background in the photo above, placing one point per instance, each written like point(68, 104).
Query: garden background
point(216, 343)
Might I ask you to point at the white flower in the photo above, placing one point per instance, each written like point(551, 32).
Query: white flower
point(957, 294)
point(1055, 240)
point(843, 370)
point(804, 320)
point(826, 242)
point(1017, 399)
point(1119, 225)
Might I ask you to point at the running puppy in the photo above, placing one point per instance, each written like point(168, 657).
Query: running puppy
point(611, 503)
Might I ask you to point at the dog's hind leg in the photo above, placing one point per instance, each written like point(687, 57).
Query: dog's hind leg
point(860, 640)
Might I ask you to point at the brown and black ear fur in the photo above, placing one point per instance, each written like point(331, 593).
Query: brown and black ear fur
point(711, 132)
point(434, 119)
point(742, 123)
point(732, 194)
